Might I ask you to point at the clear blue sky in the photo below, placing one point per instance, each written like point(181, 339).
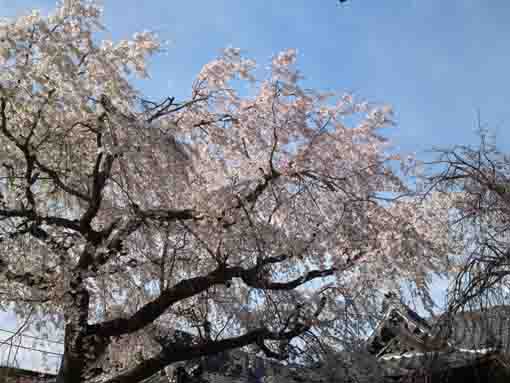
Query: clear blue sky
point(437, 62)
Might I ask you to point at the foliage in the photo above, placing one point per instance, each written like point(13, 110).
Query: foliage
point(248, 217)
point(476, 178)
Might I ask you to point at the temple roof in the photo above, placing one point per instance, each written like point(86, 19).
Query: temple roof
point(405, 341)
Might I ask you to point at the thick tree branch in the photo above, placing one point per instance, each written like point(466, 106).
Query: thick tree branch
point(152, 310)
point(168, 215)
point(49, 220)
point(251, 279)
point(53, 174)
point(178, 353)
point(193, 286)
point(98, 183)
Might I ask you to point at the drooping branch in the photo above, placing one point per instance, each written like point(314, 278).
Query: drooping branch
point(31, 159)
point(478, 178)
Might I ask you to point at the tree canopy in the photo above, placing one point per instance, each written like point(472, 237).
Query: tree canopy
point(476, 178)
point(249, 216)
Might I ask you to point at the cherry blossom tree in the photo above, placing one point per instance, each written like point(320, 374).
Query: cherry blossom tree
point(248, 216)
point(477, 179)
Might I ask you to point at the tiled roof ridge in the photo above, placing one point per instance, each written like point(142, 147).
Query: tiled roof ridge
point(393, 302)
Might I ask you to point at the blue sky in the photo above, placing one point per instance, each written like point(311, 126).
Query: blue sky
point(437, 62)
